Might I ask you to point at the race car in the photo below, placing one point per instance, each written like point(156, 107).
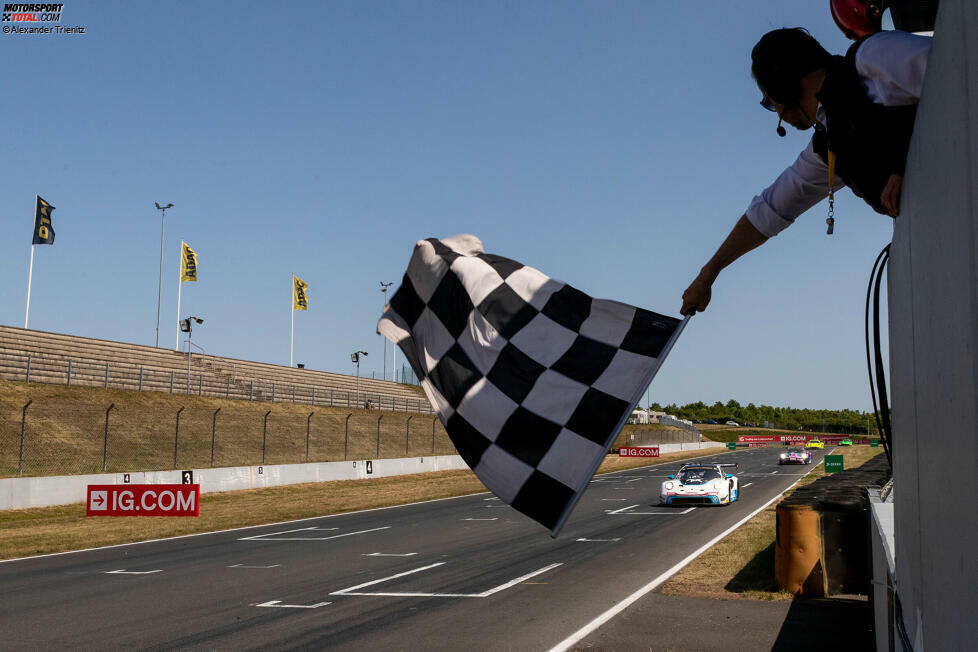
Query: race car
point(795, 456)
point(700, 484)
point(814, 443)
point(845, 442)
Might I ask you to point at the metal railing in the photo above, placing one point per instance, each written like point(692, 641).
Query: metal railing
point(88, 373)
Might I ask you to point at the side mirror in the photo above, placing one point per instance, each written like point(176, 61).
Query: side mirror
point(729, 475)
point(672, 477)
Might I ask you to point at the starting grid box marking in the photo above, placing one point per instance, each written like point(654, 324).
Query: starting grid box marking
point(275, 536)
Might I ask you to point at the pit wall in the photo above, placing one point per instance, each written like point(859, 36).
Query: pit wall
point(933, 306)
point(26, 493)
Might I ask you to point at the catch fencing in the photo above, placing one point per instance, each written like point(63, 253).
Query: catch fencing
point(49, 437)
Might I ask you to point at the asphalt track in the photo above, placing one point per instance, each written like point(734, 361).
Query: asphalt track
point(467, 573)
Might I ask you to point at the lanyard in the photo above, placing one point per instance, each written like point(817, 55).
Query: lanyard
point(831, 219)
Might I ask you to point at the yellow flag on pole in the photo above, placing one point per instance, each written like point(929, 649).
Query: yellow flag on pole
point(299, 299)
point(188, 268)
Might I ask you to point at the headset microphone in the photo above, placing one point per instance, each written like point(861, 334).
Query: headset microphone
point(781, 131)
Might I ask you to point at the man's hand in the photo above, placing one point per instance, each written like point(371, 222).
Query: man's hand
point(890, 197)
point(697, 296)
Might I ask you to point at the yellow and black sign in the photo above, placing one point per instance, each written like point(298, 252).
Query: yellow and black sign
point(43, 230)
point(299, 299)
point(188, 267)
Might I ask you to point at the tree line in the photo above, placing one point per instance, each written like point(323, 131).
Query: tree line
point(788, 418)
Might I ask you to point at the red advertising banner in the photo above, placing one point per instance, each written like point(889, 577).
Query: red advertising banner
point(638, 451)
point(143, 500)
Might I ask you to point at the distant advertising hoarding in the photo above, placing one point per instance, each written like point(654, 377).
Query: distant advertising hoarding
point(638, 451)
point(143, 500)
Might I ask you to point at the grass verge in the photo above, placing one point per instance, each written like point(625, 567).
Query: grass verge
point(741, 566)
point(58, 529)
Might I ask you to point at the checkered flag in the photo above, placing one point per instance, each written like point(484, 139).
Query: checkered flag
point(532, 378)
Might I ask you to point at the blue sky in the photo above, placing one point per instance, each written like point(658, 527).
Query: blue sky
point(610, 144)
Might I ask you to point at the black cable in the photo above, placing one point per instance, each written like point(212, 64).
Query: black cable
point(881, 410)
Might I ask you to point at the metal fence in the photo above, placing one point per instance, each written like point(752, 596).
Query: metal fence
point(90, 373)
point(46, 437)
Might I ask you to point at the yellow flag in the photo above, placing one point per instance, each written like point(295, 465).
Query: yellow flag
point(188, 268)
point(299, 299)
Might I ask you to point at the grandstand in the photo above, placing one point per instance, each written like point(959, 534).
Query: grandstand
point(40, 356)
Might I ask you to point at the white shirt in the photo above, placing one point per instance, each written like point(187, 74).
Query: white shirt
point(891, 66)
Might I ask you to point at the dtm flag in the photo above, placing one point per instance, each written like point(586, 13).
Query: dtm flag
point(188, 264)
point(532, 378)
point(43, 229)
point(299, 299)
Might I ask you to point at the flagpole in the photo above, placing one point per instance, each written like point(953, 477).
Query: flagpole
point(176, 345)
point(292, 313)
point(30, 270)
point(30, 274)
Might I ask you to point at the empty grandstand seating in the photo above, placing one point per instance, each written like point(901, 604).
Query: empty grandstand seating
point(39, 356)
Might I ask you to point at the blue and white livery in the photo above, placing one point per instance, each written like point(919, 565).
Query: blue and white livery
point(701, 484)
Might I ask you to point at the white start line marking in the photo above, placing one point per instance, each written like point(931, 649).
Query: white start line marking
point(278, 603)
point(598, 540)
point(267, 537)
point(355, 590)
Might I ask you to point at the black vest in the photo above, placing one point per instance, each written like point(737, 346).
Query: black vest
point(870, 140)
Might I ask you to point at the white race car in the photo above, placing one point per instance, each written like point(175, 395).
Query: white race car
point(700, 484)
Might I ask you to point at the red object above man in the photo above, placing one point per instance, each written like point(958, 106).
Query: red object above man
point(858, 18)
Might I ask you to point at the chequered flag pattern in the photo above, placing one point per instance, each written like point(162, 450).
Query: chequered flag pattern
point(532, 378)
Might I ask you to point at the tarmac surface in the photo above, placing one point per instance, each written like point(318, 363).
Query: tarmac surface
point(467, 573)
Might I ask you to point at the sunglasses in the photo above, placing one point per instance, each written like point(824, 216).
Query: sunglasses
point(768, 104)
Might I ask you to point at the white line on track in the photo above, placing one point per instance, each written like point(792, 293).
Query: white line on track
point(265, 537)
point(278, 603)
point(614, 499)
point(123, 571)
point(245, 566)
point(748, 484)
point(598, 540)
point(568, 642)
point(388, 554)
point(624, 508)
point(480, 519)
point(353, 590)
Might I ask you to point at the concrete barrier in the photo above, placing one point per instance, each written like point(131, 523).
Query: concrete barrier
point(26, 493)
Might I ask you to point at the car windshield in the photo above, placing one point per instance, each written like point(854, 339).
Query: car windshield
point(698, 475)
point(796, 451)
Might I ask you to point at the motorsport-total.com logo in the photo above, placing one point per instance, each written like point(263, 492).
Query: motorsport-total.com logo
point(28, 16)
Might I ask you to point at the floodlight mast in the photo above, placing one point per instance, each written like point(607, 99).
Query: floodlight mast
point(383, 291)
point(355, 357)
point(186, 325)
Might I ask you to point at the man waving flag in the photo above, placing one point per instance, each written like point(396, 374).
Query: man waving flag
point(531, 378)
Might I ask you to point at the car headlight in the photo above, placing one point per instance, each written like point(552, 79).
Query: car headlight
point(669, 485)
point(804, 454)
point(717, 485)
point(783, 455)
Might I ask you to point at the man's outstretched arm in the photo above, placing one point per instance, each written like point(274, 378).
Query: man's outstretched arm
point(743, 238)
